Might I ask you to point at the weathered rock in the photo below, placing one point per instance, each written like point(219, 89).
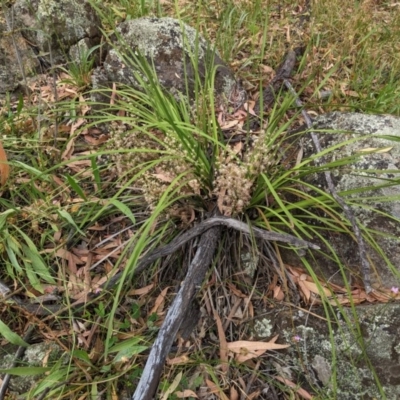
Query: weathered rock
point(53, 26)
point(341, 366)
point(16, 58)
point(379, 208)
point(34, 356)
point(175, 50)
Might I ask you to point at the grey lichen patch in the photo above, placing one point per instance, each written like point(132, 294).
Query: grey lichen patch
point(363, 338)
point(79, 52)
point(358, 123)
point(323, 369)
point(35, 354)
point(155, 36)
point(380, 332)
point(47, 8)
point(349, 378)
point(249, 263)
point(263, 328)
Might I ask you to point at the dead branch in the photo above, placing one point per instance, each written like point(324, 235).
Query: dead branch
point(269, 94)
point(204, 226)
point(56, 309)
point(283, 72)
point(149, 380)
point(365, 267)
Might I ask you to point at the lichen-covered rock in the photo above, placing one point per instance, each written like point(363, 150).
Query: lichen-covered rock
point(374, 141)
point(175, 50)
point(53, 26)
point(34, 356)
point(341, 365)
point(16, 58)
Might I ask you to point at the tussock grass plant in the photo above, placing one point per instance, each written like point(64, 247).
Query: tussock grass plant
point(166, 164)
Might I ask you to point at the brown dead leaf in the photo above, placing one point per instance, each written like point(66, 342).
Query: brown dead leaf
point(78, 165)
point(4, 166)
point(312, 287)
point(304, 291)
point(220, 201)
point(97, 350)
point(253, 395)
point(229, 124)
point(221, 118)
point(181, 360)
point(241, 114)
point(46, 357)
point(66, 155)
point(236, 291)
point(246, 350)
point(141, 291)
point(113, 94)
point(278, 293)
point(223, 349)
point(186, 393)
point(185, 213)
point(159, 303)
point(375, 149)
point(250, 308)
point(237, 147)
point(95, 141)
point(352, 93)
point(233, 394)
point(384, 296)
point(97, 227)
point(266, 69)
point(249, 107)
point(214, 389)
point(163, 177)
point(301, 392)
point(66, 255)
point(84, 106)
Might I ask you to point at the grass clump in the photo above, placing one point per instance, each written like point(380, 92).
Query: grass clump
point(78, 211)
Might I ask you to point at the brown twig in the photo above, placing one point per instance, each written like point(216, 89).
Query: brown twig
point(365, 267)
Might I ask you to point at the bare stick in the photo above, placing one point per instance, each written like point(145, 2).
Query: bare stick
point(283, 72)
point(149, 380)
point(365, 267)
point(202, 227)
